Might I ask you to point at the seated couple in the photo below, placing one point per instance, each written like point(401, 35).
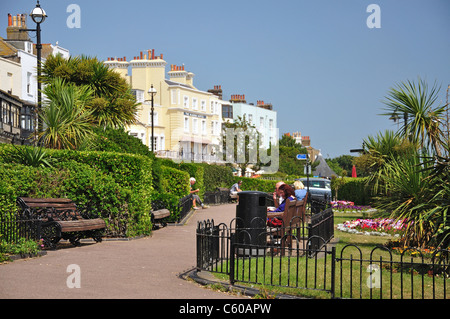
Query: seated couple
point(284, 191)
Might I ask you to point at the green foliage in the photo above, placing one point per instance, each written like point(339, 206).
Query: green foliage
point(217, 176)
point(409, 171)
point(256, 184)
point(115, 186)
point(117, 140)
point(168, 201)
point(351, 189)
point(192, 169)
point(174, 181)
point(342, 165)
point(32, 156)
point(67, 123)
point(112, 105)
point(421, 117)
point(22, 247)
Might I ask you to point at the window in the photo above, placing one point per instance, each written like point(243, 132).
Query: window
point(204, 127)
point(215, 128)
point(195, 126)
point(261, 123)
point(162, 144)
point(186, 101)
point(174, 94)
point(212, 106)
point(194, 103)
point(216, 107)
point(250, 118)
point(186, 124)
point(203, 103)
point(227, 111)
point(28, 82)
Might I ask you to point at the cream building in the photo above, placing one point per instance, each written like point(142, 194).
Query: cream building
point(187, 121)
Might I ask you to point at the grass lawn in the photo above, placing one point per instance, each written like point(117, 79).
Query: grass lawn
point(370, 277)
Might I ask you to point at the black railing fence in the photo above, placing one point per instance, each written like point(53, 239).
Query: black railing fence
point(303, 259)
point(14, 227)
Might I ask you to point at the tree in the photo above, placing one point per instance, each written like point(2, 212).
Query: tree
point(289, 149)
point(67, 122)
point(421, 118)
point(112, 104)
point(241, 143)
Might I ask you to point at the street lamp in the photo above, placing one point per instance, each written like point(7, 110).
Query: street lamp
point(152, 92)
point(38, 15)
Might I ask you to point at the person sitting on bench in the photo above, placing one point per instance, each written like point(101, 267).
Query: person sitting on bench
point(195, 197)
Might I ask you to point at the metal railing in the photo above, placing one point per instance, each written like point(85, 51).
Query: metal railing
point(308, 263)
point(12, 228)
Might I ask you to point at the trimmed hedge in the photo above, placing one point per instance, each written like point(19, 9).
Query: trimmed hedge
point(256, 184)
point(351, 189)
point(217, 176)
point(174, 182)
point(117, 186)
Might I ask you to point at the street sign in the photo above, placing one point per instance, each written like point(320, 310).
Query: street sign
point(302, 156)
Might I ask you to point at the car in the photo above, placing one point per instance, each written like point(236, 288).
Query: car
point(319, 188)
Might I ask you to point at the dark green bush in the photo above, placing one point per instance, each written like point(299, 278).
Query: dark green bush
point(256, 184)
point(115, 185)
point(217, 176)
point(351, 189)
point(192, 169)
point(174, 182)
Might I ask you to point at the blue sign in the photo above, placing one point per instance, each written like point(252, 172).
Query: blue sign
point(302, 156)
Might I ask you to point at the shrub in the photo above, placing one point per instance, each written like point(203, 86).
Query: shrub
point(351, 189)
point(256, 184)
point(174, 182)
point(217, 176)
point(115, 185)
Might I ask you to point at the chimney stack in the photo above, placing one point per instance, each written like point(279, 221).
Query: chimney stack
point(15, 23)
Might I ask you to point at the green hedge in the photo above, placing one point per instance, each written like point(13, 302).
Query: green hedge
point(217, 176)
point(351, 189)
point(174, 182)
point(117, 186)
point(256, 184)
point(192, 169)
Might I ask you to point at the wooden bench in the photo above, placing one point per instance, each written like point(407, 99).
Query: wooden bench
point(61, 218)
point(293, 218)
point(159, 215)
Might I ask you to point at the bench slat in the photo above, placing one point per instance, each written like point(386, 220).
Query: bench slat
point(161, 213)
point(83, 224)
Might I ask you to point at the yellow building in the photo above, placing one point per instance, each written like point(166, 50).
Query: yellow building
point(187, 121)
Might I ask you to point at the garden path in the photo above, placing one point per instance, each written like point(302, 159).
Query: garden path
point(145, 268)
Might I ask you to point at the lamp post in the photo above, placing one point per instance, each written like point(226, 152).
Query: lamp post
point(152, 92)
point(38, 15)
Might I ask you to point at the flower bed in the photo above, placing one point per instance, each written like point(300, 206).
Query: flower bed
point(350, 207)
point(377, 226)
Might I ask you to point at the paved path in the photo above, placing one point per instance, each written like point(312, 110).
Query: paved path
point(140, 268)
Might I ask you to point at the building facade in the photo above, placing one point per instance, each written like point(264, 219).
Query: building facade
point(261, 115)
point(186, 121)
point(18, 81)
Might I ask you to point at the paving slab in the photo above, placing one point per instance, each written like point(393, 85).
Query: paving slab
point(144, 268)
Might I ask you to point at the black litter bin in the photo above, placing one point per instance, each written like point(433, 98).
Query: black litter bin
point(251, 215)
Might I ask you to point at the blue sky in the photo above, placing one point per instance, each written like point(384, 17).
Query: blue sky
point(323, 69)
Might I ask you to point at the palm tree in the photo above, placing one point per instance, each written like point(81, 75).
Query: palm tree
point(112, 104)
point(379, 151)
point(421, 118)
point(67, 122)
